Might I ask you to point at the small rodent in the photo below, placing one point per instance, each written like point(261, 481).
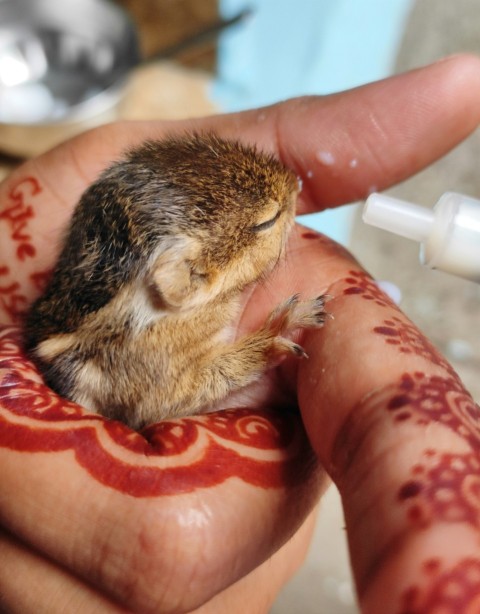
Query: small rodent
point(134, 323)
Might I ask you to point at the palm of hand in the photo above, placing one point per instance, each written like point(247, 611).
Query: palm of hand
point(203, 501)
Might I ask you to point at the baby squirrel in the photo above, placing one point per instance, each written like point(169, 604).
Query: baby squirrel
point(134, 323)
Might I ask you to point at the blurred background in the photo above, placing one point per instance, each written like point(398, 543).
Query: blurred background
point(169, 59)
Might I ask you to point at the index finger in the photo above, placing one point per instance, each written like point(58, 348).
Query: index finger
point(346, 145)
point(341, 145)
point(391, 129)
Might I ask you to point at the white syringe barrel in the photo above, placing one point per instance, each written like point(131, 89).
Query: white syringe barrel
point(454, 244)
point(449, 233)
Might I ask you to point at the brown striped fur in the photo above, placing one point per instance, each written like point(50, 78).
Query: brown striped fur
point(134, 322)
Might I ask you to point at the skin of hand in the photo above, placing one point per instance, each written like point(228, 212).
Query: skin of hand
point(214, 513)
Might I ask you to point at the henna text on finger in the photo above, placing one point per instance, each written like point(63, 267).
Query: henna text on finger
point(15, 216)
point(18, 212)
point(12, 301)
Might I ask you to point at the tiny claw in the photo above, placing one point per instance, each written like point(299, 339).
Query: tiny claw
point(322, 316)
point(292, 300)
point(299, 351)
point(324, 298)
point(321, 300)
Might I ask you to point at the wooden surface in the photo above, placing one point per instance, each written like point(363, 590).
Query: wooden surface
point(163, 23)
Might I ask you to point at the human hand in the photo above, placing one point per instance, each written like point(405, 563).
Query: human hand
point(184, 517)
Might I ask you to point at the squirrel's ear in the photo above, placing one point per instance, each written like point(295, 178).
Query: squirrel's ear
point(173, 278)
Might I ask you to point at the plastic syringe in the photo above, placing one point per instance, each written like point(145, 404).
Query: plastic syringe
point(449, 234)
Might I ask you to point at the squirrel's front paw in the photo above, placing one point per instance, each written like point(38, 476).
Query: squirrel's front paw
point(290, 316)
point(293, 314)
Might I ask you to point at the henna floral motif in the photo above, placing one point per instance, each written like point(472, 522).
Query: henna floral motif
point(446, 591)
point(361, 284)
point(442, 486)
point(396, 330)
point(407, 338)
point(441, 399)
point(263, 448)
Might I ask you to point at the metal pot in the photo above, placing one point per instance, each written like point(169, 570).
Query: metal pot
point(62, 69)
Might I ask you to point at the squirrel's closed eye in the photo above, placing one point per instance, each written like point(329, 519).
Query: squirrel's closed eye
point(267, 224)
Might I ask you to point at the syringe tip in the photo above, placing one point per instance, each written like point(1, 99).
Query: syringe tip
point(398, 216)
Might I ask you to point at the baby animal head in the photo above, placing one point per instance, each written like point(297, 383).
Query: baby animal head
point(224, 210)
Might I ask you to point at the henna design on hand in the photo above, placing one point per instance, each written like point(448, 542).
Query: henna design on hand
point(12, 301)
point(328, 245)
point(40, 279)
point(439, 488)
point(397, 329)
point(441, 399)
point(310, 235)
point(262, 448)
point(409, 340)
point(442, 486)
point(361, 284)
point(446, 591)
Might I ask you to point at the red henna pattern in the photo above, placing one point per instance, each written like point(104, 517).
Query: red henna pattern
point(447, 591)
point(18, 213)
point(443, 486)
point(397, 331)
point(361, 284)
point(431, 566)
point(448, 490)
point(310, 235)
point(12, 301)
point(326, 243)
point(420, 400)
point(439, 399)
point(263, 448)
point(40, 279)
point(409, 340)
